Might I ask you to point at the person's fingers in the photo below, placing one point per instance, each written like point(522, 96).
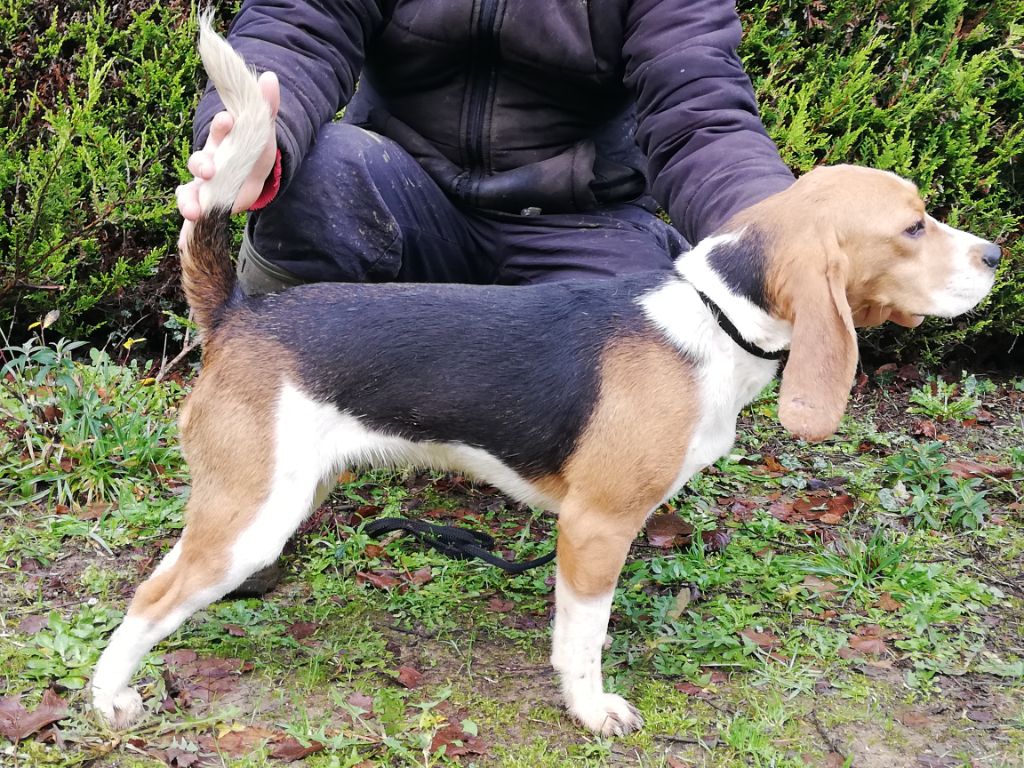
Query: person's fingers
point(200, 165)
point(219, 128)
point(187, 196)
point(271, 90)
point(186, 230)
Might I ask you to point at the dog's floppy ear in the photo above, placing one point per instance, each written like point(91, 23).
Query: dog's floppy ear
point(823, 353)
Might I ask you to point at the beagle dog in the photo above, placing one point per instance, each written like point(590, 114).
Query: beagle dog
point(596, 400)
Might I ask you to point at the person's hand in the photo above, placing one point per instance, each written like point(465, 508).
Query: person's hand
point(202, 168)
point(874, 314)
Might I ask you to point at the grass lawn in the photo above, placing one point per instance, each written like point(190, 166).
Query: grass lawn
point(854, 603)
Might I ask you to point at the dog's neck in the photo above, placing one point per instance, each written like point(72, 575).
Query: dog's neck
point(755, 325)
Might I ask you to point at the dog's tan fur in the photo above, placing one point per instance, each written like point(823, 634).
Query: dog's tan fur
point(626, 462)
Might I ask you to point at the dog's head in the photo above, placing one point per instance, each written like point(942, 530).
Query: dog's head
point(847, 246)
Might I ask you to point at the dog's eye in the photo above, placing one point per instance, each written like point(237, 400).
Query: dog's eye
point(916, 229)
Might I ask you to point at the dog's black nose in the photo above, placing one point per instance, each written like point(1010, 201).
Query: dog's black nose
point(990, 255)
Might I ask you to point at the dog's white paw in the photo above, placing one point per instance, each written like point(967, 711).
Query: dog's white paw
point(118, 709)
point(608, 715)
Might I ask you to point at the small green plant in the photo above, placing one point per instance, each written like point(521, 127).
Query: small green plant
point(968, 506)
point(927, 490)
point(862, 565)
point(943, 400)
point(77, 434)
point(65, 651)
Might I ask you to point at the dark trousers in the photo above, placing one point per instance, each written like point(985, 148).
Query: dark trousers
point(361, 209)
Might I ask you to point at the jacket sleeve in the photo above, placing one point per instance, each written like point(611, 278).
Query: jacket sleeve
point(316, 48)
point(708, 152)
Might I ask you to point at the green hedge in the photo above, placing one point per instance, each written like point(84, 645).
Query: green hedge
point(95, 112)
point(95, 106)
point(932, 90)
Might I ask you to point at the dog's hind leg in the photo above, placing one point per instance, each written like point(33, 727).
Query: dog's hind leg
point(252, 487)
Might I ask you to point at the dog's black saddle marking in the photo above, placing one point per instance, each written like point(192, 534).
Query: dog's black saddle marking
point(514, 371)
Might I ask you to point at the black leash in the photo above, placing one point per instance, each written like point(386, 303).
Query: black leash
point(454, 542)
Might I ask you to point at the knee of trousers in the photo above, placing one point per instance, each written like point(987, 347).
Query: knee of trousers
point(333, 221)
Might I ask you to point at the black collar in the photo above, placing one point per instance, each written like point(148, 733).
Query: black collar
point(726, 325)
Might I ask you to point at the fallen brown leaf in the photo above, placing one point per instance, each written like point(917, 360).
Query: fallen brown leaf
point(32, 624)
point(203, 677)
point(716, 540)
point(965, 468)
point(924, 428)
point(456, 742)
point(500, 605)
point(365, 512)
point(909, 372)
point(409, 676)
point(765, 639)
point(668, 529)
point(176, 758)
point(16, 722)
point(821, 586)
point(362, 701)
point(888, 603)
point(93, 511)
point(180, 658)
point(873, 645)
point(717, 676)
point(386, 579)
point(742, 510)
point(690, 689)
point(290, 750)
point(421, 576)
point(300, 630)
point(984, 417)
point(51, 414)
point(683, 598)
point(913, 719)
point(243, 741)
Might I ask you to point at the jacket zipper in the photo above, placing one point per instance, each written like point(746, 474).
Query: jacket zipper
point(480, 89)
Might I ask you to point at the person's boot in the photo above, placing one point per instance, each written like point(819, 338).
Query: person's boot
point(259, 583)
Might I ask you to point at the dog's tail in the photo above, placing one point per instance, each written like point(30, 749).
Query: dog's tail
point(207, 273)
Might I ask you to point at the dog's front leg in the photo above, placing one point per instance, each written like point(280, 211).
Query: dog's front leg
point(592, 548)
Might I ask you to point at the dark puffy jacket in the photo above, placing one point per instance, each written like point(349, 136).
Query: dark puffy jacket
point(559, 104)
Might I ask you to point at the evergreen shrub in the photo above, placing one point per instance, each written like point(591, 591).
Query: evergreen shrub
point(930, 89)
point(96, 100)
